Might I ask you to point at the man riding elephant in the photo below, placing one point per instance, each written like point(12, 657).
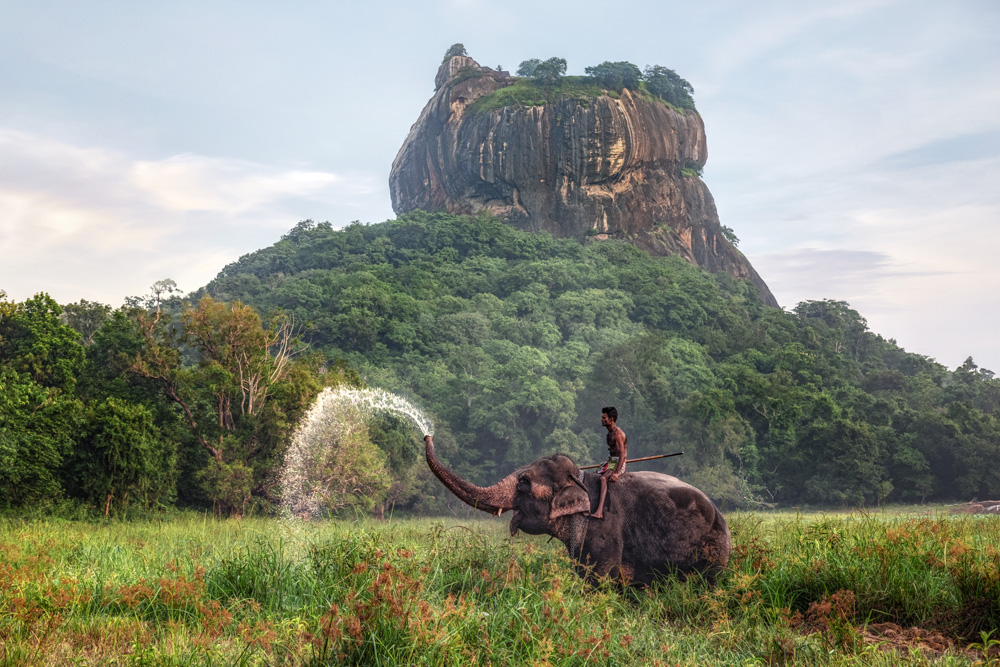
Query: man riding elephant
point(614, 467)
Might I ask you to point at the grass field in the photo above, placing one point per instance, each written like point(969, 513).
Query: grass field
point(877, 588)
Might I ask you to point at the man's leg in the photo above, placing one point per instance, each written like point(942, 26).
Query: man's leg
point(599, 514)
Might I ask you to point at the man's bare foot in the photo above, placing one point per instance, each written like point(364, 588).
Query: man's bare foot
point(595, 515)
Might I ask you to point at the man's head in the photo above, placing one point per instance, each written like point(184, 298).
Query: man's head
point(608, 416)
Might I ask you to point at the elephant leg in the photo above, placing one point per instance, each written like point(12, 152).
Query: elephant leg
point(607, 557)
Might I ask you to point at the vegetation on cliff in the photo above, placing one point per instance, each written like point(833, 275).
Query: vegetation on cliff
point(544, 81)
point(527, 92)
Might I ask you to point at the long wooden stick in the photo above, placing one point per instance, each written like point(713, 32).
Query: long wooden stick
point(627, 461)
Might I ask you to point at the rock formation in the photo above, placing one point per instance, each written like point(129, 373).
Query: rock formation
point(587, 169)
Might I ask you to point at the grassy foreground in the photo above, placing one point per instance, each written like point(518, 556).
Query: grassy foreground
point(874, 589)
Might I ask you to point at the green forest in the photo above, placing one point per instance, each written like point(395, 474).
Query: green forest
point(512, 342)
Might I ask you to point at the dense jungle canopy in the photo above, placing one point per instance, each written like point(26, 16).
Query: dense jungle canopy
point(512, 341)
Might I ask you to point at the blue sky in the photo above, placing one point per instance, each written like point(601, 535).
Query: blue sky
point(854, 147)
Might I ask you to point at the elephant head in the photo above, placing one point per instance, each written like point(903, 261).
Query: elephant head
point(540, 494)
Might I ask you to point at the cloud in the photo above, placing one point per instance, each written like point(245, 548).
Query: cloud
point(770, 27)
point(92, 223)
point(196, 183)
point(961, 148)
point(811, 273)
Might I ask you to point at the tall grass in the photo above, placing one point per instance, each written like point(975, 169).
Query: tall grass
point(802, 589)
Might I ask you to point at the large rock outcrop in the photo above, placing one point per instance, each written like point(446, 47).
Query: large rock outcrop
point(587, 169)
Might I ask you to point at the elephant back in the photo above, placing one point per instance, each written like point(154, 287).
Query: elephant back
point(672, 518)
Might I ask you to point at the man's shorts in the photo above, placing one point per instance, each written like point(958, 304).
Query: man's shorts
point(607, 464)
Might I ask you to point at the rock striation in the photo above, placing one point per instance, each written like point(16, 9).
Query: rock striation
point(590, 169)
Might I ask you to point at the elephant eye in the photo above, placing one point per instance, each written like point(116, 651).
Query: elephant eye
point(523, 481)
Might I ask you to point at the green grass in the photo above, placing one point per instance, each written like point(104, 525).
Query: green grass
point(192, 590)
point(526, 92)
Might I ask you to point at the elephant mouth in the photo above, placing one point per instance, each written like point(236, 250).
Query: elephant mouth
point(515, 522)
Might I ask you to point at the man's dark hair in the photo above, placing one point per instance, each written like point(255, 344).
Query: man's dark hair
point(611, 412)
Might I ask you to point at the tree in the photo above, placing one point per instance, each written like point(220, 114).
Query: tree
point(36, 427)
point(457, 49)
point(232, 340)
point(34, 341)
point(666, 84)
point(838, 328)
point(616, 75)
point(728, 233)
point(119, 454)
point(86, 317)
point(159, 293)
point(528, 67)
point(549, 72)
point(395, 438)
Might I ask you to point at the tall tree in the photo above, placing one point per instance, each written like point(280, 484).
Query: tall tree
point(528, 67)
point(549, 72)
point(86, 317)
point(457, 49)
point(36, 435)
point(34, 341)
point(666, 84)
point(616, 75)
point(119, 455)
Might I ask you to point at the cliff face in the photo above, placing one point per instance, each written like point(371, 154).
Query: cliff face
point(590, 169)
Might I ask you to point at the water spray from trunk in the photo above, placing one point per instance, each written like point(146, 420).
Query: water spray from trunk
point(335, 420)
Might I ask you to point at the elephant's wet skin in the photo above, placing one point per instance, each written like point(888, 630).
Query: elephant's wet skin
point(653, 524)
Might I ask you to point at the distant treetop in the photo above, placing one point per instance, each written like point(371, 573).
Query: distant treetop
point(546, 72)
point(616, 76)
point(457, 49)
point(666, 84)
point(527, 67)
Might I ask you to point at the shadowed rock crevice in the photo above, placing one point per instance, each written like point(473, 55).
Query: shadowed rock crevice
point(589, 169)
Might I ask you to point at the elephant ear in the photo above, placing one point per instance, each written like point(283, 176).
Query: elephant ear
point(571, 499)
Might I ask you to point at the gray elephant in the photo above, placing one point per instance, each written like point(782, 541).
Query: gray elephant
point(653, 524)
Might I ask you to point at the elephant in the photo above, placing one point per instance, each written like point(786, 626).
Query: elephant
point(653, 524)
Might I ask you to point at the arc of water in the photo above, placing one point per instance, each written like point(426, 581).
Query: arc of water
point(325, 422)
point(380, 400)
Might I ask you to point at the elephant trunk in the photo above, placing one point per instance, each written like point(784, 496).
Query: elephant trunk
point(494, 499)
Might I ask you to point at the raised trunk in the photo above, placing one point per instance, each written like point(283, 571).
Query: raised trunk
point(494, 499)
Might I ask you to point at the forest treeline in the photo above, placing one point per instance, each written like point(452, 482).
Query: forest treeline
point(512, 342)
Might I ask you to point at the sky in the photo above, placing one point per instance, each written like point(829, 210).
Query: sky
point(854, 147)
